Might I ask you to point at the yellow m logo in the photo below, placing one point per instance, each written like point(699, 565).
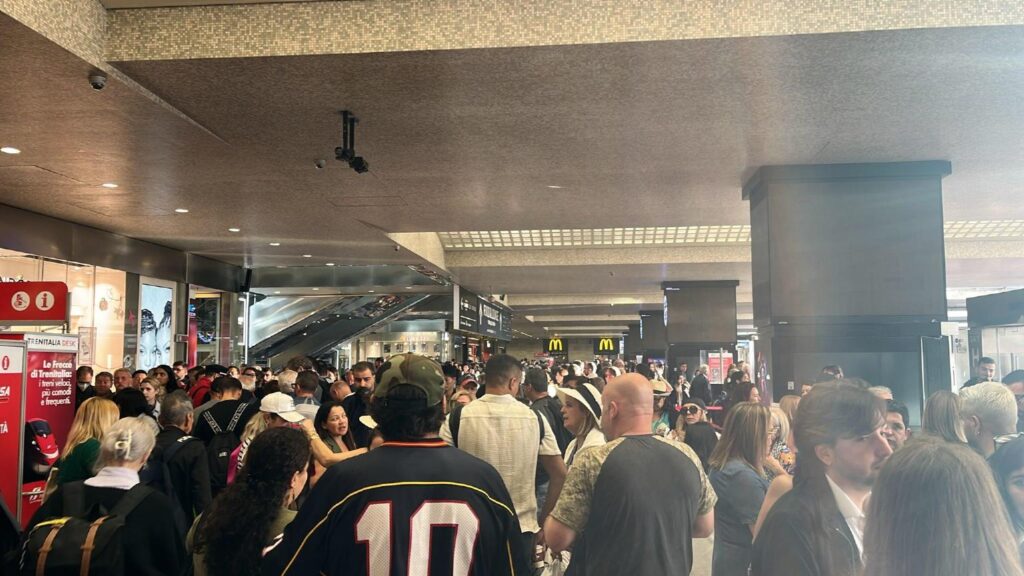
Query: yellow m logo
point(606, 345)
point(555, 345)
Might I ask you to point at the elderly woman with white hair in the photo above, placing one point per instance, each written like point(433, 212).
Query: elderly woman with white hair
point(989, 413)
point(151, 542)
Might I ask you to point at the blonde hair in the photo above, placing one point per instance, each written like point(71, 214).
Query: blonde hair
point(128, 440)
point(460, 393)
point(157, 386)
point(253, 427)
point(780, 415)
point(745, 437)
point(935, 510)
point(942, 417)
point(93, 418)
point(789, 404)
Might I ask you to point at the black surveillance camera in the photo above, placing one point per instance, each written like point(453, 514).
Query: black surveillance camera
point(359, 165)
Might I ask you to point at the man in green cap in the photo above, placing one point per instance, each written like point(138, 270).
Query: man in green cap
point(413, 506)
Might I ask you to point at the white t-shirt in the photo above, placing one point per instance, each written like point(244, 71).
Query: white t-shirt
point(504, 432)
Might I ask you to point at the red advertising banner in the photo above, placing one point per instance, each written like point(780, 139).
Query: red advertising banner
point(49, 410)
point(718, 365)
point(33, 303)
point(12, 373)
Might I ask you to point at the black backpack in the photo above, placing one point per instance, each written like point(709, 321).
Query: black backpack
point(85, 541)
point(157, 475)
point(219, 450)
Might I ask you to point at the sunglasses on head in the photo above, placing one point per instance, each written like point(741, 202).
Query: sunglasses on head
point(691, 409)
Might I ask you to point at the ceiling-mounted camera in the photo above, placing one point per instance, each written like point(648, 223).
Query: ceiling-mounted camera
point(98, 81)
point(347, 151)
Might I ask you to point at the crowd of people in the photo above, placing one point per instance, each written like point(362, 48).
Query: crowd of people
point(405, 466)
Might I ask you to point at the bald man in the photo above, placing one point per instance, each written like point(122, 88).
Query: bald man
point(633, 505)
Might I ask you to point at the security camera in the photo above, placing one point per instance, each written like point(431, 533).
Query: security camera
point(98, 81)
point(320, 164)
point(358, 164)
point(397, 248)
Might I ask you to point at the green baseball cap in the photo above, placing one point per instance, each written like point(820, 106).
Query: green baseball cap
point(414, 370)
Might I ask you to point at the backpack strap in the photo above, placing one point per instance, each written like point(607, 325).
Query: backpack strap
point(178, 445)
point(46, 548)
point(131, 500)
point(237, 416)
point(540, 423)
point(453, 423)
point(90, 544)
point(213, 423)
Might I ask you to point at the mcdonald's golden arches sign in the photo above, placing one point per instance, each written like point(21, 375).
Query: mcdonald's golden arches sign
point(608, 346)
point(553, 345)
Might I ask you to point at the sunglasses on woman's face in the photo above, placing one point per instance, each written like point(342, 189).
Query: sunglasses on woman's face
point(691, 409)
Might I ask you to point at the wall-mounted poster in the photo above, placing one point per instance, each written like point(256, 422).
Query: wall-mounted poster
point(156, 324)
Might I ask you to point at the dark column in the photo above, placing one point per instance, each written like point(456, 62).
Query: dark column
point(849, 269)
point(652, 333)
point(632, 344)
point(699, 315)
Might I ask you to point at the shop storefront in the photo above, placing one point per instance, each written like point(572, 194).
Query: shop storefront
point(97, 304)
point(216, 327)
point(434, 344)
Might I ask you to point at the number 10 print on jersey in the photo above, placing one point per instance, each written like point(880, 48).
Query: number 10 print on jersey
point(409, 508)
point(374, 528)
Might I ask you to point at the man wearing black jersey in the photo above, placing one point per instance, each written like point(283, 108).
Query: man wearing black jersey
point(414, 506)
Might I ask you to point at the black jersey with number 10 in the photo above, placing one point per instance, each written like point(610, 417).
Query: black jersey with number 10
point(404, 509)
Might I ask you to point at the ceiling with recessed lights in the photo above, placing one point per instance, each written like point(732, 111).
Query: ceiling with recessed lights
point(586, 172)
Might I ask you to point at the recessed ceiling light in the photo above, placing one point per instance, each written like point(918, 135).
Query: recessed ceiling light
point(307, 255)
point(277, 291)
point(330, 263)
point(181, 210)
point(554, 187)
point(408, 287)
point(10, 150)
point(316, 289)
point(275, 243)
point(370, 291)
point(109, 185)
point(234, 229)
point(279, 266)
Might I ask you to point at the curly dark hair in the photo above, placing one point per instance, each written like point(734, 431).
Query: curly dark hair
point(320, 419)
point(234, 528)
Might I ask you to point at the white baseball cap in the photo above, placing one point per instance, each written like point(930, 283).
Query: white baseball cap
point(281, 404)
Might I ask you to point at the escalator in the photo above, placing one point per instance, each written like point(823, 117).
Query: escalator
point(285, 327)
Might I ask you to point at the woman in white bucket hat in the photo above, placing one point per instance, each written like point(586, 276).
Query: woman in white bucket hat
point(581, 412)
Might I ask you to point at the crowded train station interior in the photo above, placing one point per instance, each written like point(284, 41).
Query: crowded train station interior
point(499, 288)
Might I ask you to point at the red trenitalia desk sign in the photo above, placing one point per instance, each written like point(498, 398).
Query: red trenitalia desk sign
point(33, 303)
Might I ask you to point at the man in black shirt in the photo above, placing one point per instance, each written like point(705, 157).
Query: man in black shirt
point(230, 409)
point(184, 455)
point(536, 391)
point(84, 389)
point(985, 371)
point(356, 405)
point(615, 507)
point(414, 502)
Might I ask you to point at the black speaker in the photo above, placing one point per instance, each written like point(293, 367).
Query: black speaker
point(248, 281)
